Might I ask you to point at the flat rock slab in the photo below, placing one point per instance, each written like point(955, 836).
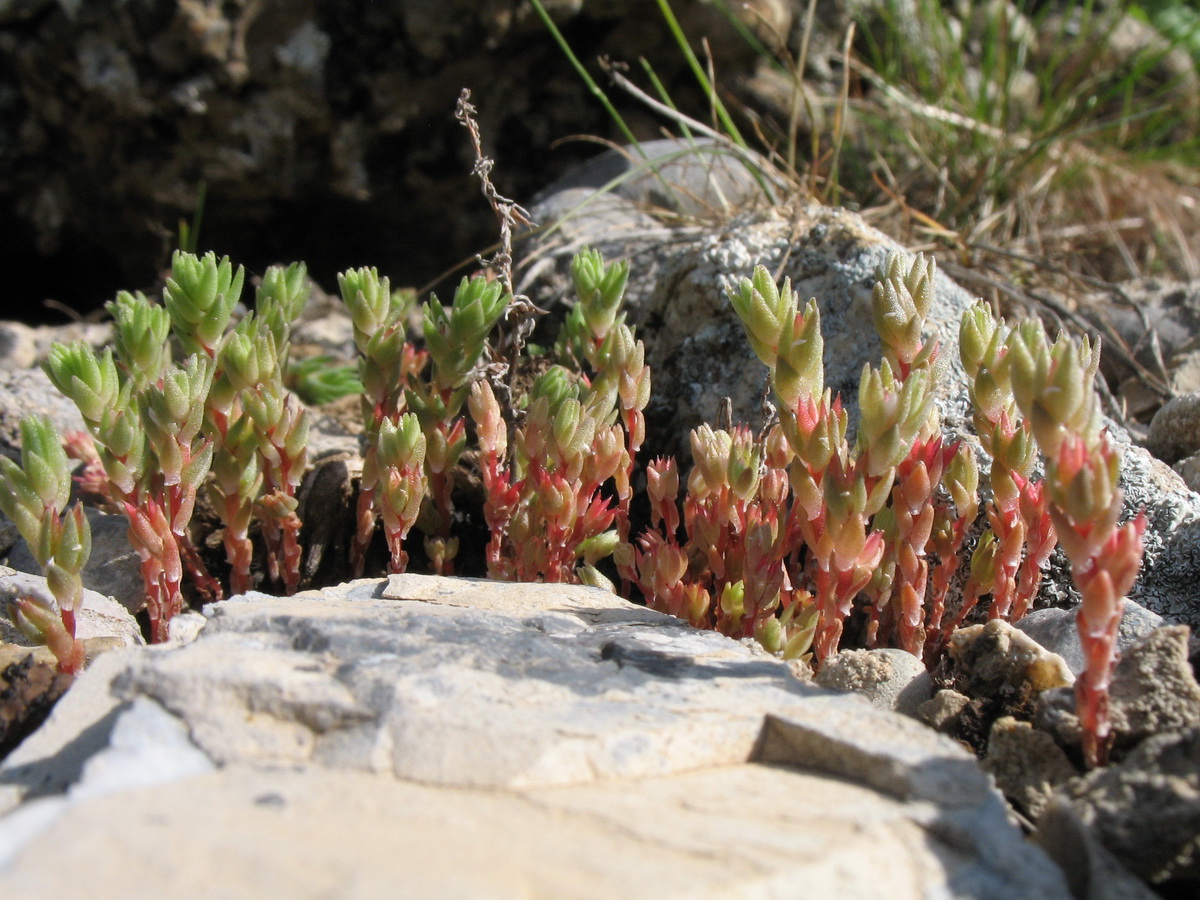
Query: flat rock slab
point(424, 736)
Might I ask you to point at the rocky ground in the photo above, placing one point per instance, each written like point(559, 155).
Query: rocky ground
point(471, 738)
point(436, 694)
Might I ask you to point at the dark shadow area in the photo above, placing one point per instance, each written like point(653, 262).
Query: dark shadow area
point(79, 274)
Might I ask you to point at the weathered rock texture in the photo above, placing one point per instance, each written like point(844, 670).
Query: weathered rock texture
point(1157, 838)
point(426, 736)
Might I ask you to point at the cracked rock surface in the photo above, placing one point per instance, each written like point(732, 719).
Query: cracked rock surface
point(436, 736)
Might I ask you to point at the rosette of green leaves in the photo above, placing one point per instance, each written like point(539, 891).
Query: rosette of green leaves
point(455, 339)
point(90, 381)
point(398, 474)
point(36, 492)
point(140, 332)
point(108, 407)
point(322, 379)
point(379, 316)
point(172, 415)
point(900, 302)
point(892, 413)
point(599, 292)
point(535, 441)
point(1052, 384)
point(200, 295)
point(787, 341)
point(280, 299)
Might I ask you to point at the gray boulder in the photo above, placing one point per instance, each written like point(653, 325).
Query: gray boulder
point(891, 679)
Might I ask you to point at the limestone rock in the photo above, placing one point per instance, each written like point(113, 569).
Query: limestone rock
point(430, 736)
point(891, 679)
point(697, 347)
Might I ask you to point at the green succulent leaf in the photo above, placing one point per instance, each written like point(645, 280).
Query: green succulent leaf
point(200, 295)
point(90, 381)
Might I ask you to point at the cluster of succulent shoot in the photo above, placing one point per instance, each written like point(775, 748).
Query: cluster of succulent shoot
point(1053, 386)
point(1027, 394)
point(779, 535)
point(412, 407)
point(793, 525)
point(545, 490)
point(34, 496)
point(157, 428)
point(1020, 537)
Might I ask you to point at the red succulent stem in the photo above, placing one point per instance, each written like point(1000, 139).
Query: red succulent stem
point(364, 528)
point(1040, 541)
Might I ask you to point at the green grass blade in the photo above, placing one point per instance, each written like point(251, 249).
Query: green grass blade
point(698, 70)
point(596, 90)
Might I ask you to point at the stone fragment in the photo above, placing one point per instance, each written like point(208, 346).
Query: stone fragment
point(1189, 471)
point(1174, 434)
point(29, 688)
point(1153, 691)
point(1175, 429)
point(891, 679)
point(1003, 672)
point(1027, 764)
point(996, 656)
point(456, 736)
point(17, 347)
point(942, 710)
point(1057, 631)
